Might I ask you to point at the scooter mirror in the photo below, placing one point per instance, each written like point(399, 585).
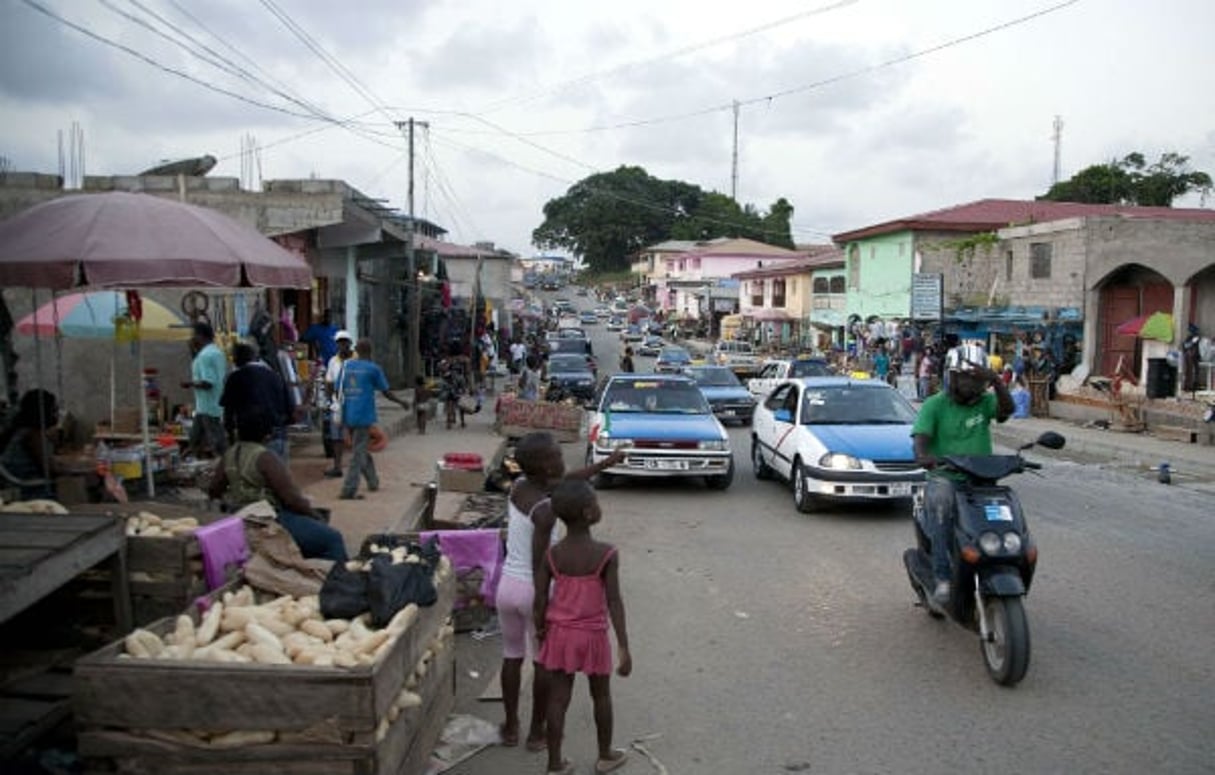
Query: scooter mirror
point(1051, 440)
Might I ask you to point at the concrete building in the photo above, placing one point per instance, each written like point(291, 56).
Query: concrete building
point(791, 302)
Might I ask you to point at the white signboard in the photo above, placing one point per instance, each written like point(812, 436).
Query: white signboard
point(926, 295)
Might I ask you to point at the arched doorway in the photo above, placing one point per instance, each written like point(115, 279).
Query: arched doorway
point(1128, 292)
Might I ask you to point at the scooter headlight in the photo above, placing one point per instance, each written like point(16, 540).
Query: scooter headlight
point(990, 543)
point(1012, 543)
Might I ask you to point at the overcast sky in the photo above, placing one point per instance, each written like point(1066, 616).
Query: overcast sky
point(856, 111)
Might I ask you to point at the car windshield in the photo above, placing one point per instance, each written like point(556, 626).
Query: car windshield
point(718, 377)
point(567, 363)
point(854, 405)
point(654, 396)
point(809, 369)
point(675, 354)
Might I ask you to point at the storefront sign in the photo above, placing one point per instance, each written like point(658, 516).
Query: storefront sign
point(926, 295)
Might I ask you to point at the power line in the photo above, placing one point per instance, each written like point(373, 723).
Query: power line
point(689, 49)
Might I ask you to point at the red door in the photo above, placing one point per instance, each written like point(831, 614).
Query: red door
point(1119, 304)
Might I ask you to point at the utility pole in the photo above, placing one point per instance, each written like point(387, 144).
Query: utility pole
point(734, 164)
point(413, 284)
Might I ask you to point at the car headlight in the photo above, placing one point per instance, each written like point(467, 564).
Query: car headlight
point(611, 443)
point(839, 461)
point(990, 543)
point(1012, 543)
point(717, 444)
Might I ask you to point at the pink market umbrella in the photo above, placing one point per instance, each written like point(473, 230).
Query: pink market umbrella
point(1154, 325)
point(121, 240)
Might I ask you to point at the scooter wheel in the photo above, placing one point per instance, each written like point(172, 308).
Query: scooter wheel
point(1006, 650)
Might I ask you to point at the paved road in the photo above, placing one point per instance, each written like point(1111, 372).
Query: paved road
point(766, 641)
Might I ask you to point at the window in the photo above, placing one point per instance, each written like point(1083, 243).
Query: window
point(757, 293)
point(837, 284)
point(854, 266)
point(1008, 265)
point(821, 285)
point(1039, 260)
point(778, 293)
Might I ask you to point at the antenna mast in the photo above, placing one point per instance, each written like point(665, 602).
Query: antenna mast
point(734, 164)
point(1057, 137)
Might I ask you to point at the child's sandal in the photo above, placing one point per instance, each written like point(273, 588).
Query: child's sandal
point(619, 757)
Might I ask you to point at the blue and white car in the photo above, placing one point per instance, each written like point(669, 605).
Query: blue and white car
point(666, 426)
point(729, 400)
point(836, 439)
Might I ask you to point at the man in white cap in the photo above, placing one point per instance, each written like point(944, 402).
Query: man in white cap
point(333, 378)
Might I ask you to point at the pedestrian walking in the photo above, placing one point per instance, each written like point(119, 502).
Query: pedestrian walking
point(253, 385)
point(421, 404)
point(361, 379)
point(626, 361)
point(208, 371)
point(332, 424)
point(573, 627)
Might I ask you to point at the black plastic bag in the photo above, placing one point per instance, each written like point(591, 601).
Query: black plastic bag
point(344, 593)
point(392, 587)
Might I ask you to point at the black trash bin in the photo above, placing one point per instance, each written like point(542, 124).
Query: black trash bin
point(1161, 379)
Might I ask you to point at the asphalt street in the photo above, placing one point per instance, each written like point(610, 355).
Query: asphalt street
point(767, 641)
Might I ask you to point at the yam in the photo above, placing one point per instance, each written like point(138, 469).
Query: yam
point(373, 641)
point(402, 619)
point(209, 627)
point(317, 630)
point(337, 626)
point(241, 738)
point(258, 634)
point(268, 655)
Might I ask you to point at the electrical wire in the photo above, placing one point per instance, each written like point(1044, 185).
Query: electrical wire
point(689, 49)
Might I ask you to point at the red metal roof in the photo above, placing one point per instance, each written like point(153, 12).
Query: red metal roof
point(991, 214)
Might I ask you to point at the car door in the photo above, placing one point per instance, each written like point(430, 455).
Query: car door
point(778, 439)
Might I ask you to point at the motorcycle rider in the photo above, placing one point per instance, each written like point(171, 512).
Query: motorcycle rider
point(956, 421)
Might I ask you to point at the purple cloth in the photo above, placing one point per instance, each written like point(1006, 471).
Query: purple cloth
point(223, 546)
point(468, 549)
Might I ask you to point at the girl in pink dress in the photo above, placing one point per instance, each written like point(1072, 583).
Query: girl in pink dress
point(573, 627)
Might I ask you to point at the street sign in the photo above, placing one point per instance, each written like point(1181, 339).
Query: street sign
point(926, 295)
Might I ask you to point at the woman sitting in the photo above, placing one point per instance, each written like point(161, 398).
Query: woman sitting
point(248, 472)
point(27, 447)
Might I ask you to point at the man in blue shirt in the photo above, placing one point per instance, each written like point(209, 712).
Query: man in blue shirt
point(361, 379)
point(207, 374)
point(321, 337)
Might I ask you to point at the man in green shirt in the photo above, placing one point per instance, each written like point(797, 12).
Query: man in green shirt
point(208, 372)
point(955, 422)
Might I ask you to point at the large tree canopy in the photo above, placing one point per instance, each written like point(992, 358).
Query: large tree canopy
point(1132, 181)
point(608, 216)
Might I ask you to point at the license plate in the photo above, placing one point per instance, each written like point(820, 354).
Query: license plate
point(727, 412)
point(667, 465)
point(901, 488)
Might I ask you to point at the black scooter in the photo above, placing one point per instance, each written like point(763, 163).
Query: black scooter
point(992, 557)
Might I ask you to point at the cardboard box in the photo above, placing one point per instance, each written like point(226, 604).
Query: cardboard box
point(459, 479)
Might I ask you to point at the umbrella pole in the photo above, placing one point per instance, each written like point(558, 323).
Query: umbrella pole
point(143, 423)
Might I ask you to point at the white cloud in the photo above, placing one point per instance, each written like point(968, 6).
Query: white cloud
point(968, 121)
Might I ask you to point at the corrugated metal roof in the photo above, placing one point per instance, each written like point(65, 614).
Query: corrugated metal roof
point(831, 259)
point(991, 214)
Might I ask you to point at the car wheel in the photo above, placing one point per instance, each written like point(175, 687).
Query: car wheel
point(761, 468)
point(802, 497)
point(722, 482)
point(598, 481)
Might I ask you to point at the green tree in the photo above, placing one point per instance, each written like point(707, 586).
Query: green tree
point(609, 216)
point(1132, 181)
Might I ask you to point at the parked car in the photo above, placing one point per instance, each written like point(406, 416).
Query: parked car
point(666, 426)
point(570, 375)
point(729, 400)
point(672, 359)
point(588, 318)
point(776, 370)
point(836, 439)
point(651, 345)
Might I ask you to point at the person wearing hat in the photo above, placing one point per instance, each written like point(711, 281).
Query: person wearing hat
point(208, 371)
point(334, 371)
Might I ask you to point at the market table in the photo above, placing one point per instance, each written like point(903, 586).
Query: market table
point(40, 553)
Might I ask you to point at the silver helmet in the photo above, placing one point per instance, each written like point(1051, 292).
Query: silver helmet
point(967, 356)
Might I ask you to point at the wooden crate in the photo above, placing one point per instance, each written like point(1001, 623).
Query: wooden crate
point(165, 573)
point(345, 703)
point(404, 750)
